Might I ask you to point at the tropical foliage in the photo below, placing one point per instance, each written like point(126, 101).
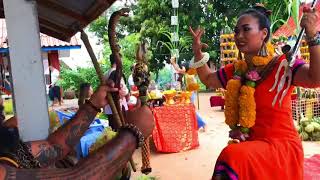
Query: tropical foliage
point(151, 19)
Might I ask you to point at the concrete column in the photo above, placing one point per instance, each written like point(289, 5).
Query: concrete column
point(27, 69)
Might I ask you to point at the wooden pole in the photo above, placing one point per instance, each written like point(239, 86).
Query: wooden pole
point(84, 38)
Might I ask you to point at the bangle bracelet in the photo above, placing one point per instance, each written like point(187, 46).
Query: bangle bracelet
point(135, 131)
point(92, 105)
point(314, 41)
point(200, 63)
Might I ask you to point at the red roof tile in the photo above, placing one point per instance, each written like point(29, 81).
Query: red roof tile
point(46, 41)
point(289, 28)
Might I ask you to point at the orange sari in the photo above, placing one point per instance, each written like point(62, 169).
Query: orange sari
point(274, 150)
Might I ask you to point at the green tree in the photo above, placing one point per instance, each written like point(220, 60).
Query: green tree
point(71, 79)
point(152, 18)
point(281, 11)
point(128, 46)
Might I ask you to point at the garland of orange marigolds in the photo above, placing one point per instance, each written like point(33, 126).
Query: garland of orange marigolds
point(240, 111)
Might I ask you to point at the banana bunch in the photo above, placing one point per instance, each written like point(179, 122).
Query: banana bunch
point(106, 136)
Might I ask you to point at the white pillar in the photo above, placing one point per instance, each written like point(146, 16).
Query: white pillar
point(27, 69)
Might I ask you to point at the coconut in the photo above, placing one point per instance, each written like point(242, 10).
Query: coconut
point(304, 136)
point(316, 126)
point(309, 128)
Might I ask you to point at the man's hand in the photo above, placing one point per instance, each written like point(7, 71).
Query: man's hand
point(309, 20)
point(99, 98)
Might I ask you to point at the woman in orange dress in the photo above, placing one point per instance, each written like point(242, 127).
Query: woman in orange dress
point(264, 143)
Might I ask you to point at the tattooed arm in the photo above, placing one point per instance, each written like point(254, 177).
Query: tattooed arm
point(59, 143)
point(104, 164)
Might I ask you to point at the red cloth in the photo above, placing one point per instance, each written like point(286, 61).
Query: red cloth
point(274, 150)
point(216, 101)
point(312, 168)
point(176, 128)
point(53, 58)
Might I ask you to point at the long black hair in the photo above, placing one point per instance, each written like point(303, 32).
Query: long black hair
point(9, 140)
point(9, 137)
point(262, 14)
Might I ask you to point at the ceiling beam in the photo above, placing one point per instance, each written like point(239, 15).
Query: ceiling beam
point(93, 13)
point(55, 34)
point(55, 27)
point(62, 10)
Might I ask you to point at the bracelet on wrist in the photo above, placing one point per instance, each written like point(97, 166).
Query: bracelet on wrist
point(135, 131)
point(314, 41)
point(200, 63)
point(88, 102)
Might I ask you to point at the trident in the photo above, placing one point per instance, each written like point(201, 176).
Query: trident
point(287, 64)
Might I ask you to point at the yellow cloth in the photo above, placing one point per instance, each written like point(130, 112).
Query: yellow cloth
point(191, 83)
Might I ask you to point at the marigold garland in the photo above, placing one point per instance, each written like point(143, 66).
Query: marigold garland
point(240, 102)
point(240, 66)
point(247, 107)
point(192, 71)
point(231, 102)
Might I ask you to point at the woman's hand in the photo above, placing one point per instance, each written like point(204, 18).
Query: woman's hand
point(173, 60)
point(309, 20)
point(197, 44)
point(99, 97)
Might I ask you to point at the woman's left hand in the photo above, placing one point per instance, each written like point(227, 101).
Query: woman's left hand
point(309, 20)
point(173, 60)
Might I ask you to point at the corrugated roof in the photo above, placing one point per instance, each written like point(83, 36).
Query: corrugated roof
point(62, 19)
point(289, 28)
point(46, 41)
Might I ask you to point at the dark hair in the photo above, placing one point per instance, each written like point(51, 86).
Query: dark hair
point(112, 59)
point(9, 137)
point(9, 140)
point(83, 92)
point(286, 48)
point(262, 14)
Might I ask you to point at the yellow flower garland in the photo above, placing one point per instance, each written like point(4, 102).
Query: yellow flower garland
point(247, 107)
point(241, 66)
point(239, 99)
point(231, 102)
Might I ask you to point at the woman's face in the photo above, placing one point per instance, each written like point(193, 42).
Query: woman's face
point(248, 36)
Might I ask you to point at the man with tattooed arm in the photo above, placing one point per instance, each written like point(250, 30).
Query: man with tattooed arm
point(32, 160)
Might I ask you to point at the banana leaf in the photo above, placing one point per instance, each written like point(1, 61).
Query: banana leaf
point(295, 14)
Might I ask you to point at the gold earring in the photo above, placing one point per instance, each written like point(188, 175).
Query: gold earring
point(263, 50)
